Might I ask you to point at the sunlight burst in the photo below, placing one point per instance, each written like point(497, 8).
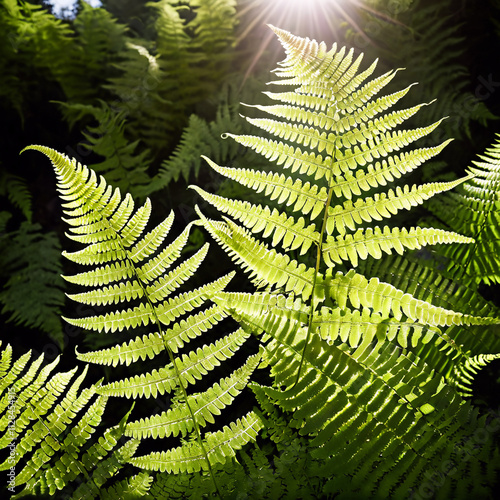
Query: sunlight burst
point(320, 19)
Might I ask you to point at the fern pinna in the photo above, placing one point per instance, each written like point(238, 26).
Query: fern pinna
point(346, 351)
point(131, 266)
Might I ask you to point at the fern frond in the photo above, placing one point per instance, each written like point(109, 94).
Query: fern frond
point(363, 367)
point(47, 419)
point(474, 212)
point(345, 404)
point(33, 292)
point(136, 275)
point(347, 139)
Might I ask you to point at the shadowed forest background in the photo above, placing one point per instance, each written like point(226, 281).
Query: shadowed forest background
point(140, 90)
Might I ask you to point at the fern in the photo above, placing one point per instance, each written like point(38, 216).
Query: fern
point(473, 211)
point(39, 427)
point(337, 341)
point(372, 330)
point(33, 291)
point(15, 189)
point(201, 137)
point(31, 38)
point(123, 165)
point(98, 40)
point(132, 267)
point(159, 89)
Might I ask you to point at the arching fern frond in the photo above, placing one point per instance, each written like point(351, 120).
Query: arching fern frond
point(362, 392)
point(136, 280)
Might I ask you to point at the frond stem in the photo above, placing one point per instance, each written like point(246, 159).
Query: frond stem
point(315, 278)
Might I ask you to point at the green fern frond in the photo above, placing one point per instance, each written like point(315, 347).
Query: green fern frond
point(474, 212)
point(33, 292)
point(47, 419)
point(356, 406)
point(15, 189)
point(136, 274)
point(347, 140)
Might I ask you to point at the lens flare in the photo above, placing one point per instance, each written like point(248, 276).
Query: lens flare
point(319, 19)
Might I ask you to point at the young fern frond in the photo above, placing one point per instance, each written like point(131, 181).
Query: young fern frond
point(136, 274)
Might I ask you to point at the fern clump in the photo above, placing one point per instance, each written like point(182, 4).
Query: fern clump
point(370, 331)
